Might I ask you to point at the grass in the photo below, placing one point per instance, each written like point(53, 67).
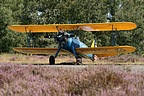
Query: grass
point(125, 59)
point(35, 59)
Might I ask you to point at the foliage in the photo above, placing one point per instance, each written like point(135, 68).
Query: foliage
point(9, 12)
point(72, 11)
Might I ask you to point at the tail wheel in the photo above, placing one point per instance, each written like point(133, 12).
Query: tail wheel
point(52, 60)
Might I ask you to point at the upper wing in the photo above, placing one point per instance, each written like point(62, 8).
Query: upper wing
point(108, 26)
point(86, 27)
point(106, 51)
point(40, 50)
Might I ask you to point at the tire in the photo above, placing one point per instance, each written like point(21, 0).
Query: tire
point(52, 60)
point(79, 60)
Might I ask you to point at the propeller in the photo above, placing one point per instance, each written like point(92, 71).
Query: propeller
point(61, 37)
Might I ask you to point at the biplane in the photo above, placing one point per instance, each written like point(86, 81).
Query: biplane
point(68, 43)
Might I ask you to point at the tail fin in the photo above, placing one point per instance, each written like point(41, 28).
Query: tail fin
point(94, 44)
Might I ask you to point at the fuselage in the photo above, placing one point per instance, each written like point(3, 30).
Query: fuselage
point(74, 42)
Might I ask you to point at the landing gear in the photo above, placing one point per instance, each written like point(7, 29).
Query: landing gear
point(52, 60)
point(79, 60)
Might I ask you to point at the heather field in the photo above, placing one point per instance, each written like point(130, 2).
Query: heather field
point(104, 79)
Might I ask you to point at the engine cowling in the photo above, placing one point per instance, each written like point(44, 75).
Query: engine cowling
point(62, 38)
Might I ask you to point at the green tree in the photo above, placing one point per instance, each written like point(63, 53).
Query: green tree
point(9, 39)
point(132, 10)
point(71, 11)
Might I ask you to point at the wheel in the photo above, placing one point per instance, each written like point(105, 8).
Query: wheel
point(52, 60)
point(79, 60)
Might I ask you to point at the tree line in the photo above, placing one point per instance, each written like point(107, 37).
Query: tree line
point(19, 12)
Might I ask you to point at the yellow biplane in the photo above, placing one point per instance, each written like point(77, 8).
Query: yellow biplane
point(68, 43)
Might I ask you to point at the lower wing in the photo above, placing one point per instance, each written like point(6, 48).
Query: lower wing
point(27, 50)
point(99, 51)
point(106, 51)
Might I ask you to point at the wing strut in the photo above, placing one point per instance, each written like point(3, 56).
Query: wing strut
point(76, 29)
point(57, 28)
point(29, 37)
point(113, 35)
